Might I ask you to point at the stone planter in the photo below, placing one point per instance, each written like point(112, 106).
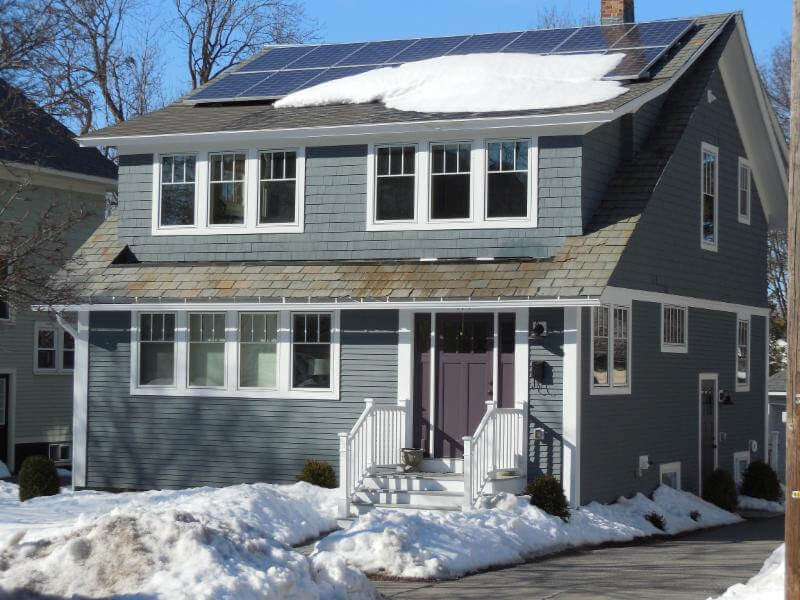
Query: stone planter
point(412, 457)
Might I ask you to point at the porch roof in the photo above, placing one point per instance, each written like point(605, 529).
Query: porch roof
point(105, 271)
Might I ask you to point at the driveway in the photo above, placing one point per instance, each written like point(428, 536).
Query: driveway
point(694, 566)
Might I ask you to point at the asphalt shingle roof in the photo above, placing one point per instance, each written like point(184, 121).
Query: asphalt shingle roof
point(777, 382)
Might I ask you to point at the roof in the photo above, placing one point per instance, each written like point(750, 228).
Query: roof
point(777, 382)
point(30, 136)
point(184, 118)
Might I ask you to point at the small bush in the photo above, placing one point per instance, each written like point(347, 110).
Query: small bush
point(318, 472)
point(656, 520)
point(695, 515)
point(546, 493)
point(37, 477)
point(720, 489)
point(760, 481)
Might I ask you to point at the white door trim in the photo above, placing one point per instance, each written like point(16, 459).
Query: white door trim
point(701, 377)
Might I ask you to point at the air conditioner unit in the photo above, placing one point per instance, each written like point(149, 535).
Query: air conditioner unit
point(60, 453)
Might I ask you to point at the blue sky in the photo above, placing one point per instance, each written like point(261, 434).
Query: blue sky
point(357, 20)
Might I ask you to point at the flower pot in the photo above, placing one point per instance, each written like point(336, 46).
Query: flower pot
point(412, 457)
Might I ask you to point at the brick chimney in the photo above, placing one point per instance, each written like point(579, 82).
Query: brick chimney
point(616, 11)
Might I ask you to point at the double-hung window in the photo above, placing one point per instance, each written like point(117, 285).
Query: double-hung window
point(450, 181)
point(54, 349)
point(177, 189)
point(258, 350)
point(226, 188)
point(206, 350)
point(709, 235)
point(674, 327)
point(611, 349)
point(395, 183)
point(311, 350)
point(277, 192)
point(745, 183)
point(507, 179)
point(742, 354)
point(156, 349)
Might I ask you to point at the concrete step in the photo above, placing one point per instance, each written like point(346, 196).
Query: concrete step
point(362, 508)
point(422, 498)
point(441, 482)
point(510, 484)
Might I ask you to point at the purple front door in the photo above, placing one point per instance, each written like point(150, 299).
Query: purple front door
point(464, 379)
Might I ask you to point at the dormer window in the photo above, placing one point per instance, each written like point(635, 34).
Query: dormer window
point(227, 188)
point(395, 183)
point(507, 180)
point(450, 181)
point(177, 189)
point(277, 187)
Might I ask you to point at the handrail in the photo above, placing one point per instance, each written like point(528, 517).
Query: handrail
point(496, 444)
point(375, 440)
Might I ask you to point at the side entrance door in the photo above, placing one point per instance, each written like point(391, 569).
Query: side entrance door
point(464, 379)
point(708, 426)
point(4, 394)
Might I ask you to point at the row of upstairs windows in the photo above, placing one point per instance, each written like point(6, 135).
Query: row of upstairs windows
point(709, 195)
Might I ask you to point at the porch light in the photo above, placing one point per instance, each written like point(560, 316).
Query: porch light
point(725, 398)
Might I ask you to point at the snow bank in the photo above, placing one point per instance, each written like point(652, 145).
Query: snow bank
point(435, 544)
point(4, 472)
point(766, 585)
point(474, 83)
point(197, 543)
point(749, 503)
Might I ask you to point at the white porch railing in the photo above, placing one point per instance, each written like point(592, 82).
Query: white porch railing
point(496, 444)
point(375, 440)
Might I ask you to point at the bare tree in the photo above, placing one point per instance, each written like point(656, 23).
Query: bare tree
point(776, 73)
point(26, 27)
point(220, 33)
point(554, 16)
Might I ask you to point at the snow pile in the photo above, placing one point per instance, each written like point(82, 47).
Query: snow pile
point(425, 544)
point(766, 585)
point(746, 502)
point(197, 543)
point(474, 83)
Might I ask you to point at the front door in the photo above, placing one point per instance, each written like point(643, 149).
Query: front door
point(464, 379)
point(708, 427)
point(4, 393)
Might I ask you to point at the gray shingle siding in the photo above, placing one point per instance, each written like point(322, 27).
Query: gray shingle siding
point(335, 217)
point(664, 253)
point(546, 398)
point(142, 442)
point(660, 418)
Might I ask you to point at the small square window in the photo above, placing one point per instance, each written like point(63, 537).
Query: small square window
point(5, 311)
point(674, 328)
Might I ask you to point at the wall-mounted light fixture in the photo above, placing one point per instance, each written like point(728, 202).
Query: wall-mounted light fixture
point(725, 398)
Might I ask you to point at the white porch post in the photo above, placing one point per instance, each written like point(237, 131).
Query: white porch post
point(344, 476)
point(405, 369)
point(467, 501)
point(521, 380)
point(80, 401)
point(571, 463)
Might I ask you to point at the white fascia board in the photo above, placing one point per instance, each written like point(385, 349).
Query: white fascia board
point(421, 305)
point(618, 295)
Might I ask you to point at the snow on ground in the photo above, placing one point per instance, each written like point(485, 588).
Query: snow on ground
point(766, 585)
point(749, 503)
point(195, 543)
point(474, 83)
point(423, 544)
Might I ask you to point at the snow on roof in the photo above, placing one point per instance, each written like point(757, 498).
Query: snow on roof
point(474, 83)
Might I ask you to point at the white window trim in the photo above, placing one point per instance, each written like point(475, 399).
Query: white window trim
point(744, 219)
point(743, 387)
point(675, 348)
point(58, 334)
point(708, 148)
point(202, 225)
point(610, 389)
point(478, 187)
point(737, 457)
point(672, 467)
point(232, 389)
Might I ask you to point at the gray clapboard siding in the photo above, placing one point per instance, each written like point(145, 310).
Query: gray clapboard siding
point(660, 417)
point(546, 399)
point(335, 216)
point(664, 253)
point(144, 442)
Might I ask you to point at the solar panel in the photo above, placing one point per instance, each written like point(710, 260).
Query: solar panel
point(428, 48)
point(376, 53)
point(325, 56)
point(593, 39)
point(540, 41)
point(231, 86)
point(281, 83)
point(284, 69)
point(662, 33)
point(636, 62)
point(489, 42)
point(276, 58)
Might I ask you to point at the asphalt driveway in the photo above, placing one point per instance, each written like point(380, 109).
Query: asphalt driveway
point(694, 566)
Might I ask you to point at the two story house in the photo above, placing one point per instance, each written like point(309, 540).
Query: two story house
point(578, 290)
point(42, 169)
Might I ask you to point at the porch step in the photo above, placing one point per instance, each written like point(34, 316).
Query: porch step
point(423, 498)
point(362, 508)
point(416, 481)
point(442, 465)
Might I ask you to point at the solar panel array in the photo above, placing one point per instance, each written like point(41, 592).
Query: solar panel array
point(282, 70)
